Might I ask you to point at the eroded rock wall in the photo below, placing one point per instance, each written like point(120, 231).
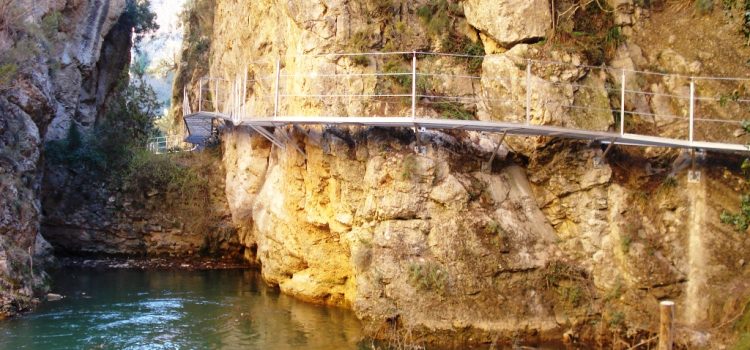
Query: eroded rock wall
point(548, 239)
point(108, 218)
point(57, 84)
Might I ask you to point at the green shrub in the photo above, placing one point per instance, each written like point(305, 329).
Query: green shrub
point(625, 242)
point(51, 25)
point(572, 295)
point(125, 129)
point(7, 74)
point(380, 7)
point(147, 170)
point(616, 319)
point(454, 110)
point(704, 6)
point(428, 277)
point(435, 16)
point(743, 343)
point(74, 141)
point(359, 42)
point(474, 49)
point(590, 29)
point(740, 220)
point(492, 227)
point(138, 15)
point(409, 167)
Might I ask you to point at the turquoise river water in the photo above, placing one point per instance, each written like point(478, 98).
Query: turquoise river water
point(179, 309)
point(219, 309)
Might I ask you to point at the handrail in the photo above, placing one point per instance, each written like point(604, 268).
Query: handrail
point(398, 91)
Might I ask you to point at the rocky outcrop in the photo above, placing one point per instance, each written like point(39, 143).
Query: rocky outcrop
point(548, 240)
point(509, 22)
point(363, 222)
point(44, 95)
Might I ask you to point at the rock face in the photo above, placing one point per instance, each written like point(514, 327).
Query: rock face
point(510, 22)
point(90, 218)
point(433, 242)
point(427, 239)
point(62, 82)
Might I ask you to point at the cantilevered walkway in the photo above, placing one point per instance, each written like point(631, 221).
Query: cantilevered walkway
point(444, 91)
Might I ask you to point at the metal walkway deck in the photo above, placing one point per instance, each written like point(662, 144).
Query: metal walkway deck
point(398, 96)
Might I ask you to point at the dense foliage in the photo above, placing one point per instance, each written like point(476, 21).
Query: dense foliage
point(741, 219)
point(127, 126)
point(138, 15)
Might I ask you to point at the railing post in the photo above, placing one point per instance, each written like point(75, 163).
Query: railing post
point(216, 97)
point(622, 103)
point(414, 85)
point(666, 325)
point(244, 94)
point(692, 108)
point(200, 95)
point(276, 94)
point(528, 91)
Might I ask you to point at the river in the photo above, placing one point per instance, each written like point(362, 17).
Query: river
point(217, 309)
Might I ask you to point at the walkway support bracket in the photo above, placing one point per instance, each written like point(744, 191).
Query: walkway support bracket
point(599, 161)
point(497, 148)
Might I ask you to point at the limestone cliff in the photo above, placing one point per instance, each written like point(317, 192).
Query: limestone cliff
point(52, 75)
point(548, 239)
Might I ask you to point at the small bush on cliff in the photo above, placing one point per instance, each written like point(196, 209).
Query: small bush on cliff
point(435, 16)
point(743, 343)
point(428, 277)
point(409, 167)
point(7, 73)
point(740, 220)
point(704, 6)
point(589, 27)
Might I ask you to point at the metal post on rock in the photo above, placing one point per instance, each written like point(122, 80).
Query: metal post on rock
point(622, 104)
point(692, 108)
point(276, 98)
point(414, 86)
point(244, 93)
point(200, 95)
point(666, 325)
point(528, 91)
point(216, 97)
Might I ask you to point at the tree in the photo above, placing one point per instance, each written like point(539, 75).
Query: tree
point(138, 15)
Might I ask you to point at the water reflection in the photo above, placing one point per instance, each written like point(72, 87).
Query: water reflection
point(124, 309)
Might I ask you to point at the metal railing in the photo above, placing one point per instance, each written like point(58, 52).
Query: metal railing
point(448, 86)
point(167, 144)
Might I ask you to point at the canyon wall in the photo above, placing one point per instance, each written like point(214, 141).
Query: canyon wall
point(418, 233)
point(60, 60)
point(104, 217)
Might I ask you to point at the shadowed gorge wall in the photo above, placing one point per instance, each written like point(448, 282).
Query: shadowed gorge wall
point(53, 49)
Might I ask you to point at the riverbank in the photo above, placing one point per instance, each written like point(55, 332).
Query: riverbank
point(189, 264)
